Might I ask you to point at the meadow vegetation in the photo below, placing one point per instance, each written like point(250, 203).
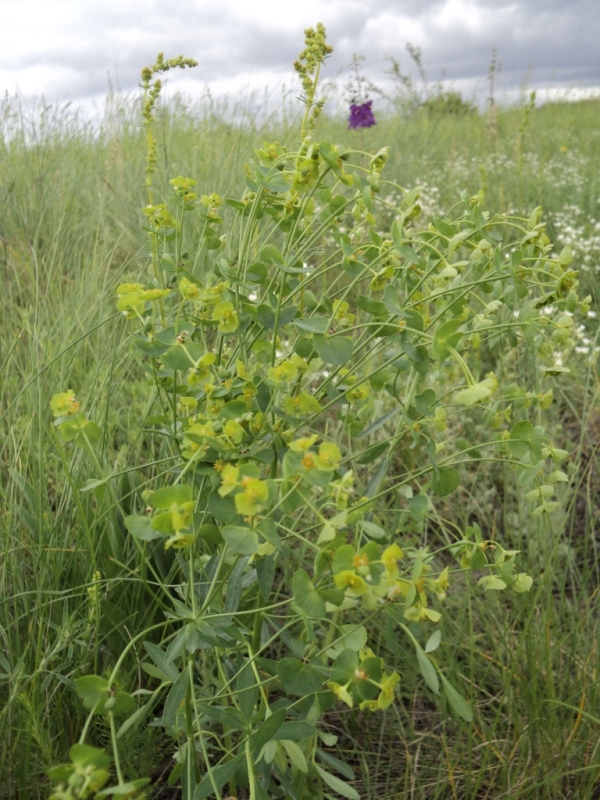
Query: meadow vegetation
point(411, 331)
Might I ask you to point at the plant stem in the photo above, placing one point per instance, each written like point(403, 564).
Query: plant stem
point(115, 748)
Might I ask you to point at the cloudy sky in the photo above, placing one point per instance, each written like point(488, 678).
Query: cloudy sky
point(73, 50)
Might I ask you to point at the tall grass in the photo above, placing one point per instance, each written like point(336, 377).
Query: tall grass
point(69, 233)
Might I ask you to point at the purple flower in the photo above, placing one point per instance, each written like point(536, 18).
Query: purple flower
point(361, 116)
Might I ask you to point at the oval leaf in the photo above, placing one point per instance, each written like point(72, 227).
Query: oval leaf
point(456, 701)
point(306, 596)
point(268, 729)
point(337, 785)
point(336, 350)
point(241, 540)
point(445, 482)
point(427, 670)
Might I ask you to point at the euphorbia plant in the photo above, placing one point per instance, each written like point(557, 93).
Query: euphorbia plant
point(316, 338)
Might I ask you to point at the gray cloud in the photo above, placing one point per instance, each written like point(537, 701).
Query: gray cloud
point(67, 49)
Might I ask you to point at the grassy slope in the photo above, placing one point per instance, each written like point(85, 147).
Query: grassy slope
point(69, 233)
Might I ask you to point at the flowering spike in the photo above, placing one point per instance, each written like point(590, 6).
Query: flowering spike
point(361, 116)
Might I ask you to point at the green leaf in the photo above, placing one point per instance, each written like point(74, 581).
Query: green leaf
point(123, 789)
point(371, 453)
point(554, 371)
point(425, 402)
point(90, 434)
point(566, 256)
point(427, 670)
point(222, 508)
point(418, 507)
point(297, 729)
point(268, 729)
point(306, 597)
point(472, 395)
point(353, 267)
point(373, 307)
point(210, 533)
point(220, 776)
point(85, 756)
point(233, 409)
point(268, 531)
point(337, 350)
point(229, 717)
point(312, 325)
point(522, 583)
point(265, 573)
point(333, 596)
point(255, 273)
point(445, 481)
point(267, 316)
point(171, 495)
point(100, 698)
point(139, 528)
point(273, 181)
point(354, 637)
point(446, 336)
point(456, 701)
point(93, 690)
point(407, 252)
point(478, 560)
point(434, 641)
point(133, 722)
point(240, 540)
point(269, 254)
point(79, 430)
point(182, 356)
point(335, 763)
point(154, 348)
point(477, 391)
point(162, 662)
point(295, 755)
point(443, 227)
point(344, 667)
point(418, 356)
point(332, 159)
point(374, 426)
point(492, 583)
point(372, 530)
point(260, 792)
point(526, 440)
point(246, 690)
point(175, 698)
point(413, 319)
point(368, 690)
point(298, 678)
point(377, 478)
point(234, 587)
point(343, 558)
point(456, 241)
point(337, 784)
point(120, 703)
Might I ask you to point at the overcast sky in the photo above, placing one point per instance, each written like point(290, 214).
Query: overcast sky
point(73, 50)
